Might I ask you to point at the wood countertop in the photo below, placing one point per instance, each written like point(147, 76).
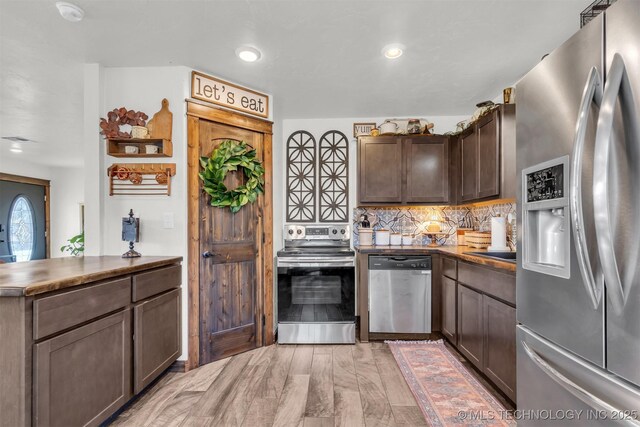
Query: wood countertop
point(37, 277)
point(453, 251)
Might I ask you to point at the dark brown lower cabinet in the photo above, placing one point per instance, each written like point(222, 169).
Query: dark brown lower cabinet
point(157, 337)
point(471, 325)
point(83, 376)
point(500, 345)
point(449, 297)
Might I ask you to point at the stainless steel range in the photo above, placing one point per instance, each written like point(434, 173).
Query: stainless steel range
point(316, 285)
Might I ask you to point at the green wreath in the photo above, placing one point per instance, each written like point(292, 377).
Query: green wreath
point(229, 156)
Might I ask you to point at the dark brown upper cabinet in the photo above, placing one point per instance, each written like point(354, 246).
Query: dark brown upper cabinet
point(486, 153)
point(399, 170)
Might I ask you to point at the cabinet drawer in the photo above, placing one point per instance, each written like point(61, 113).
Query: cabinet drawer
point(449, 268)
point(83, 376)
point(157, 337)
point(61, 311)
point(491, 282)
point(153, 282)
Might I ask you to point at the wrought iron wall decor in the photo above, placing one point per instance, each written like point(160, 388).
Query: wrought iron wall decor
point(334, 177)
point(301, 177)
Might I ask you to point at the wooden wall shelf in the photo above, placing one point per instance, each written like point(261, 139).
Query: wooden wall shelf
point(139, 179)
point(115, 147)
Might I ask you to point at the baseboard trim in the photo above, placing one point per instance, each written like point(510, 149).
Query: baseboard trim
point(178, 366)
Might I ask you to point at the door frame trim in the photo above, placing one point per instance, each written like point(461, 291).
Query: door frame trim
point(47, 203)
point(197, 111)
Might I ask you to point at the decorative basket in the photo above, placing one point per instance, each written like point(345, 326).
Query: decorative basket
point(478, 239)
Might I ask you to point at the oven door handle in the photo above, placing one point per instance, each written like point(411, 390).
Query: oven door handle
point(317, 262)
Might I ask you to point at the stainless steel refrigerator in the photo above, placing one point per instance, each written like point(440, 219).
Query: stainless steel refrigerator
point(578, 276)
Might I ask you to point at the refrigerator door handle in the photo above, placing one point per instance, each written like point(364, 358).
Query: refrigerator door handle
point(594, 283)
point(617, 83)
point(573, 388)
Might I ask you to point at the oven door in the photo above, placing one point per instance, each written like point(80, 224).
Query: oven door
point(316, 290)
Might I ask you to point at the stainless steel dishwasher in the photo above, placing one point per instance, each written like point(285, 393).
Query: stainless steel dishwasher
point(400, 294)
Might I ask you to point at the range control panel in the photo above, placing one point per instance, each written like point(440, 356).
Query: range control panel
point(316, 232)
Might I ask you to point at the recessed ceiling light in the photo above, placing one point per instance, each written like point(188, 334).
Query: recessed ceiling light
point(248, 53)
point(15, 150)
point(70, 11)
point(393, 51)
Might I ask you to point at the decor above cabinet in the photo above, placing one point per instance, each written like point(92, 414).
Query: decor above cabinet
point(403, 170)
point(152, 139)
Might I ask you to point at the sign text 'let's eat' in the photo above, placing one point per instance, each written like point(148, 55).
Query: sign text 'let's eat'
point(211, 89)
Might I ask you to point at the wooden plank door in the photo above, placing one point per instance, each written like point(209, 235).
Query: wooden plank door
point(230, 307)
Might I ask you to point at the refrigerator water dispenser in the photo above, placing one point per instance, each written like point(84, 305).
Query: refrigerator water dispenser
point(546, 232)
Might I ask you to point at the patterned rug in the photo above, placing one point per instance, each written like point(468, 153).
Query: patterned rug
point(447, 393)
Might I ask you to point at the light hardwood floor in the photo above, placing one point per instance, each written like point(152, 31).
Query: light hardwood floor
point(283, 385)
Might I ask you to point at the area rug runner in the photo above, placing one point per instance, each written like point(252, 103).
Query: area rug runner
point(447, 393)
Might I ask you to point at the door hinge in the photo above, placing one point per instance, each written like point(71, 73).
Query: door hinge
point(264, 238)
point(264, 320)
point(45, 197)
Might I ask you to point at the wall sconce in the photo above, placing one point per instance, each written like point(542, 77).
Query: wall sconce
point(131, 233)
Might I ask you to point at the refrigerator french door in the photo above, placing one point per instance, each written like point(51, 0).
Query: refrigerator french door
point(578, 156)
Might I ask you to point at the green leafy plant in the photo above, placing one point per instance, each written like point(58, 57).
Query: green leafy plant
point(75, 245)
point(232, 156)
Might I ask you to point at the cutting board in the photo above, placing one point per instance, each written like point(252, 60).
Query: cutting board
point(161, 123)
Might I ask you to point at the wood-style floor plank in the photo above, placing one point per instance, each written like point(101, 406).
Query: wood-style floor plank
point(318, 422)
point(293, 401)
point(240, 397)
point(348, 408)
point(396, 387)
point(408, 415)
point(200, 379)
point(218, 393)
point(344, 371)
point(375, 404)
point(301, 363)
point(320, 395)
point(276, 375)
point(262, 412)
point(177, 409)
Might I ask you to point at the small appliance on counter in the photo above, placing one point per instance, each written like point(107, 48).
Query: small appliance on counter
point(395, 239)
point(498, 235)
point(316, 285)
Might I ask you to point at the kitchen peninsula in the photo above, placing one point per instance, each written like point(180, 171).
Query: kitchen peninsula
point(82, 335)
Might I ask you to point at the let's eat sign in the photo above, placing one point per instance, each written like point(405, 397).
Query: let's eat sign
point(212, 89)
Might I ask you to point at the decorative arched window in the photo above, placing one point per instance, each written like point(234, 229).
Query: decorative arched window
point(21, 229)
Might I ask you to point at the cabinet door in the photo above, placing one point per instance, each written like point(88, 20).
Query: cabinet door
point(449, 309)
point(157, 337)
point(380, 170)
point(83, 376)
point(470, 325)
point(489, 156)
point(500, 345)
point(427, 165)
point(469, 166)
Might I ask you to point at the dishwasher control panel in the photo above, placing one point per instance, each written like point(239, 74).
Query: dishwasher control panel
point(378, 262)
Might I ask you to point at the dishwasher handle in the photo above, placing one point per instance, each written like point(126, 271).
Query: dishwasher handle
point(400, 262)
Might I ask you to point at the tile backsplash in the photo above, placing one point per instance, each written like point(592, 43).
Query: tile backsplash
point(413, 220)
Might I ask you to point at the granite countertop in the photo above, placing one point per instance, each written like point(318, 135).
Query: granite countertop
point(453, 251)
point(37, 277)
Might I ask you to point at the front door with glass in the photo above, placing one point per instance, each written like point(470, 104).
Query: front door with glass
point(22, 222)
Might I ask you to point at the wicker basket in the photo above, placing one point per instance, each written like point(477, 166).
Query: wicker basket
point(478, 239)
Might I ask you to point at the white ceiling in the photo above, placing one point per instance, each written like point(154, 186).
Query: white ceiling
point(320, 58)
